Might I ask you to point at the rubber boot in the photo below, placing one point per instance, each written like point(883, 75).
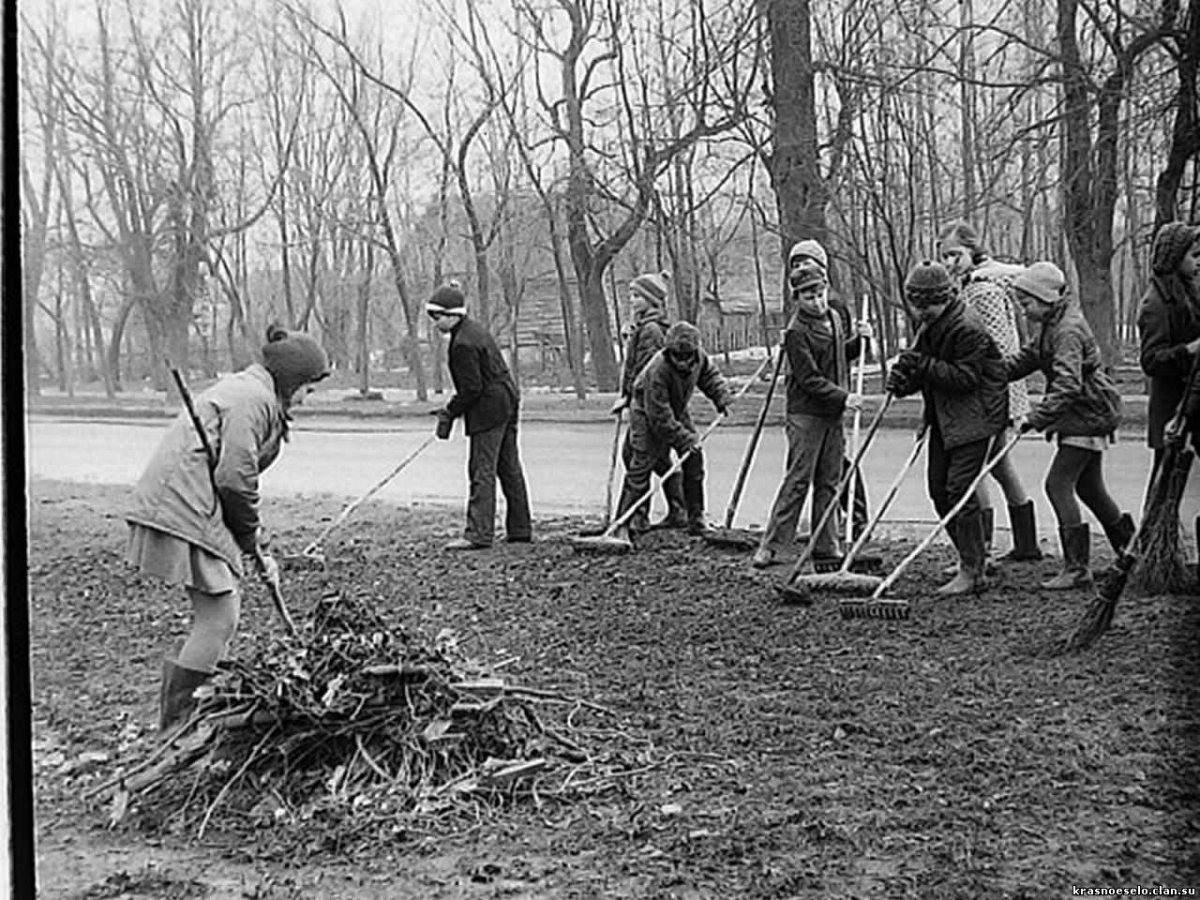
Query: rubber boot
point(693, 493)
point(639, 522)
point(1120, 532)
point(175, 700)
point(988, 518)
point(1024, 532)
point(1076, 543)
point(967, 535)
point(676, 517)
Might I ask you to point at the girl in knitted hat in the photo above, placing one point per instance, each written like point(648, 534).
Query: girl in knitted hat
point(648, 335)
point(957, 367)
point(1080, 408)
point(190, 524)
point(982, 283)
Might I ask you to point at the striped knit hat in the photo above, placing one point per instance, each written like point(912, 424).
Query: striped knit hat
point(928, 284)
point(1170, 245)
point(652, 287)
point(448, 300)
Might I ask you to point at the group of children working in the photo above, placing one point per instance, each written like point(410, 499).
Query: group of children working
point(968, 361)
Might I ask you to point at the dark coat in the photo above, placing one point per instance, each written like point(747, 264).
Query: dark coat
point(1080, 399)
point(245, 424)
point(1167, 322)
point(662, 393)
point(647, 338)
point(484, 391)
point(962, 377)
point(818, 370)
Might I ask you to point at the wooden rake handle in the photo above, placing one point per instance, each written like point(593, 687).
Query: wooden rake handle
point(748, 457)
point(858, 387)
point(865, 536)
point(311, 549)
point(945, 520)
point(679, 461)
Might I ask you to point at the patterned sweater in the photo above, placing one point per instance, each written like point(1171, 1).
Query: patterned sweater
point(985, 293)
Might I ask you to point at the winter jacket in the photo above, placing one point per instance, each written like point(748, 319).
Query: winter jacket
point(961, 375)
point(215, 509)
point(647, 338)
point(1080, 399)
point(984, 290)
point(1167, 322)
point(484, 391)
point(661, 392)
point(818, 355)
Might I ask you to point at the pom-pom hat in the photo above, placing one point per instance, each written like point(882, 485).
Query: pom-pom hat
point(928, 284)
point(293, 358)
point(652, 287)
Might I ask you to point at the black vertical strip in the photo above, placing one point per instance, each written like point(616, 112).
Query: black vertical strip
point(16, 554)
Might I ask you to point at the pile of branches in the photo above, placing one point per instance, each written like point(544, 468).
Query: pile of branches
point(360, 728)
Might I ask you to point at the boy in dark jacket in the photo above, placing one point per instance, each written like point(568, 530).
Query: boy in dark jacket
point(648, 335)
point(961, 375)
point(486, 397)
point(659, 421)
point(1080, 407)
point(819, 345)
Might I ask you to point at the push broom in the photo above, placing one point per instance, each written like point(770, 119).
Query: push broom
point(844, 579)
point(875, 606)
point(608, 542)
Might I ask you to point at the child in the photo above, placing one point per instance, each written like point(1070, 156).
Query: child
point(659, 421)
point(647, 335)
point(958, 368)
point(191, 522)
point(983, 283)
point(1080, 407)
point(818, 347)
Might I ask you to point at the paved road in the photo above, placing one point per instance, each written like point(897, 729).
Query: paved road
point(565, 465)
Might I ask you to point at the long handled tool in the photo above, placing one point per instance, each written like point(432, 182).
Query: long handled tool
point(786, 590)
point(312, 551)
point(728, 536)
point(609, 542)
point(874, 606)
point(844, 579)
point(858, 389)
point(1161, 510)
point(594, 531)
point(269, 578)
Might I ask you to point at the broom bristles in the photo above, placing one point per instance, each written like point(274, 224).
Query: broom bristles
point(1162, 567)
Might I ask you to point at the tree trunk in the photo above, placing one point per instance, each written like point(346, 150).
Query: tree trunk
point(1185, 130)
point(800, 193)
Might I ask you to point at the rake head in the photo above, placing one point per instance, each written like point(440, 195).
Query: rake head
point(794, 593)
point(733, 538)
point(602, 544)
point(867, 608)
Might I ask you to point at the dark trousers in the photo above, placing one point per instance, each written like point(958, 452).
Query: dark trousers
point(494, 455)
point(649, 455)
point(814, 458)
point(861, 512)
point(951, 472)
point(672, 487)
point(1079, 471)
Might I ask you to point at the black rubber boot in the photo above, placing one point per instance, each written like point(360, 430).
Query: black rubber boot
point(175, 700)
point(1076, 552)
point(676, 516)
point(693, 494)
point(1024, 532)
point(967, 534)
point(987, 518)
point(1120, 532)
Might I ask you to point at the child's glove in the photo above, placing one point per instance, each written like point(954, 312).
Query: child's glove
point(691, 444)
point(445, 422)
point(897, 382)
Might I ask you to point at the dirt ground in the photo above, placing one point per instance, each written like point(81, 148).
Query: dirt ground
point(796, 755)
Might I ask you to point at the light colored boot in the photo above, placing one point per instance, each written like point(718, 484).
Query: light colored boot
point(1076, 542)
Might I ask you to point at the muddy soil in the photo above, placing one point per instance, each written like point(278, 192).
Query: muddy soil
point(796, 755)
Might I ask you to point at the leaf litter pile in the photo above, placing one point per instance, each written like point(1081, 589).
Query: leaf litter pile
point(741, 748)
point(358, 731)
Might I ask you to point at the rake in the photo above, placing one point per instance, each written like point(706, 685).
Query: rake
point(608, 542)
point(875, 606)
point(858, 389)
point(844, 579)
point(787, 590)
point(311, 555)
point(608, 488)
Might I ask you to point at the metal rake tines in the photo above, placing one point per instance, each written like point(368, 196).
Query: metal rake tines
point(890, 610)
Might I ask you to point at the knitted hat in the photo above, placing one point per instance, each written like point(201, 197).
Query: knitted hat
point(652, 287)
point(447, 300)
point(1170, 245)
point(683, 338)
point(807, 275)
point(928, 284)
point(293, 359)
point(810, 249)
point(1044, 281)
